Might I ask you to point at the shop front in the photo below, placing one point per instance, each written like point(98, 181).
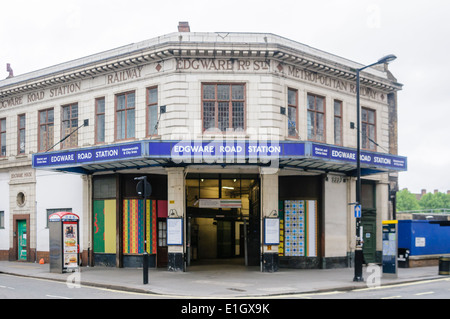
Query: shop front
point(221, 195)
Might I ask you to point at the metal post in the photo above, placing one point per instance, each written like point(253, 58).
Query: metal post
point(143, 179)
point(145, 255)
point(358, 249)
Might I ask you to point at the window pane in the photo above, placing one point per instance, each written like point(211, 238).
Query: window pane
point(337, 131)
point(319, 104)
point(22, 121)
point(371, 116)
point(121, 102)
point(223, 92)
point(292, 97)
point(50, 117)
point(3, 125)
point(319, 127)
point(311, 134)
point(101, 106)
point(238, 92)
point(153, 119)
point(22, 141)
point(152, 96)
point(209, 92)
point(292, 121)
point(311, 102)
point(368, 196)
point(130, 123)
point(42, 117)
point(3, 144)
point(120, 125)
point(238, 115)
point(364, 135)
point(337, 108)
point(74, 111)
point(209, 188)
point(372, 137)
point(364, 115)
point(100, 128)
point(223, 116)
point(130, 100)
point(209, 120)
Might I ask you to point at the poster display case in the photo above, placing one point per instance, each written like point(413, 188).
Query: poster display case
point(64, 242)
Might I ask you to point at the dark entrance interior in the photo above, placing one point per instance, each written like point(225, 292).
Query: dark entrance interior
point(223, 219)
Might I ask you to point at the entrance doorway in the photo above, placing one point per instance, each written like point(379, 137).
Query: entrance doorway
point(223, 223)
point(22, 240)
point(369, 221)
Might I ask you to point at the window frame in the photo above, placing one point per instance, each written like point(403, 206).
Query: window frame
point(2, 132)
point(126, 109)
point(97, 114)
point(150, 131)
point(341, 120)
point(230, 101)
point(46, 124)
point(315, 112)
point(365, 141)
point(72, 140)
point(293, 106)
point(2, 219)
point(21, 130)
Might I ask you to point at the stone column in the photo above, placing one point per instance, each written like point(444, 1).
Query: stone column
point(269, 208)
point(176, 209)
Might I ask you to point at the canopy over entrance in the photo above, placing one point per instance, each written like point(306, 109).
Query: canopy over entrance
point(309, 156)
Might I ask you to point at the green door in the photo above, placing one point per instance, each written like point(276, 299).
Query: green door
point(22, 240)
point(368, 223)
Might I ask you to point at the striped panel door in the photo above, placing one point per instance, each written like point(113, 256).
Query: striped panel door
point(104, 226)
point(133, 226)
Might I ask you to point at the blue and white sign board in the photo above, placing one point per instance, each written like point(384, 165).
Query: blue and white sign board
point(213, 152)
point(83, 156)
point(357, 211)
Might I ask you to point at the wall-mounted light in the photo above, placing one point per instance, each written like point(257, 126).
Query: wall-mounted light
point(173, 213)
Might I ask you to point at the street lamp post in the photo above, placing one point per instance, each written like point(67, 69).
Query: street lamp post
point(358, 249)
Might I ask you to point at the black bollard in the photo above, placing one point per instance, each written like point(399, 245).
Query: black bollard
point(145, 268)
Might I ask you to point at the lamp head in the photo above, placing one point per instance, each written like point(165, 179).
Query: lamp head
point(387, 59)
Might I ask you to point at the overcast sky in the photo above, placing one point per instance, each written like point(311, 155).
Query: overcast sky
point(38, 34)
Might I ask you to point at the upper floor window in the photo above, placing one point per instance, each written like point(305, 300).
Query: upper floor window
point(125, 116)
point(2, 219)
point(152, 111)
point(223, 107)
point(337, 122)
point(100, 120)
point(316, 118)
point(21, 134)
point(368, 129)
point(3, 137)
point(69, 124)
point(292, 112)
point(46, 127)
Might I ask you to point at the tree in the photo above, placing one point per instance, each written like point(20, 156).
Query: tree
point(435, 201)
point(406, 201)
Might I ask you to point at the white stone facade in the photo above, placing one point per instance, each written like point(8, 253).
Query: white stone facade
point(177, 65)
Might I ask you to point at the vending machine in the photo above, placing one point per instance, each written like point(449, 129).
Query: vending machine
point(64, 242)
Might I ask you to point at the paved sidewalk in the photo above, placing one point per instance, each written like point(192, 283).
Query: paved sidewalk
point(224, 281)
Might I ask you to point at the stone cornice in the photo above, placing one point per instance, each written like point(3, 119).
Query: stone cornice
point(182, 45)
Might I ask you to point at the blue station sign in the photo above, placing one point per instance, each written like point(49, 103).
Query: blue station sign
point(83, 156)
point(210, 152)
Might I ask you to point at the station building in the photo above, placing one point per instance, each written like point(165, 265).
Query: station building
point(247, 141)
